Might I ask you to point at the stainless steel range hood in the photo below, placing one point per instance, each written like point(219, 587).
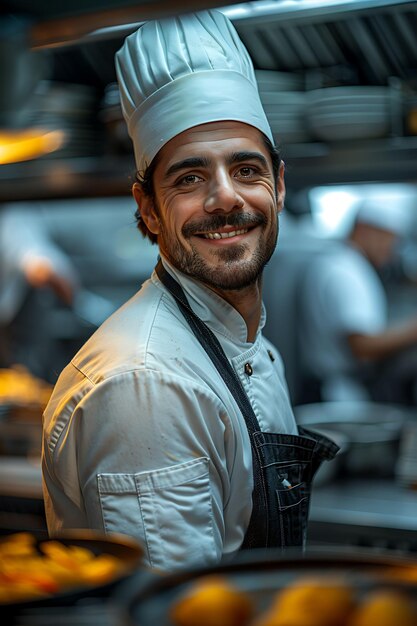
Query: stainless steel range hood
point(357, 42)
point(70, 21)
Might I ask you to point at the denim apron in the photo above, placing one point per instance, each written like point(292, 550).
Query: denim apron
point(283, 465)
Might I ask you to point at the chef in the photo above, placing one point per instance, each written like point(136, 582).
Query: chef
point(173, 424)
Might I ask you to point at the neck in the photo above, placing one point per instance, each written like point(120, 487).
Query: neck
point(247, 302)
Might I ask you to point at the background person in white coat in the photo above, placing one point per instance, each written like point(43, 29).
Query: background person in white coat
point(349, 349)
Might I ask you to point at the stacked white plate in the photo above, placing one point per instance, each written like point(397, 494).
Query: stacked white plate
point(286, 113)
point(339, 113)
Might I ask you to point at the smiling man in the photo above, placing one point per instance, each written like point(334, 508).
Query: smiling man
point(173, 424)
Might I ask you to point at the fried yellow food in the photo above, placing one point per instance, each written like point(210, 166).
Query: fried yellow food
point(213, 601)
point(310, 602)
point(385, 607)
point(29, 571)
point(19, 386)
point(400, 574)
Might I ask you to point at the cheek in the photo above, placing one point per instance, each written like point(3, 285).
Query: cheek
point(263, 189)
point(184, 204)
point(175, 213)
point(263, 198)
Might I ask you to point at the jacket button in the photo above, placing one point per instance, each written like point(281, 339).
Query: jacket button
point(248, 369)
point(271, 356)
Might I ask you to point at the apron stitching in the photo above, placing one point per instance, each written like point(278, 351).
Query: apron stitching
point(279, 464)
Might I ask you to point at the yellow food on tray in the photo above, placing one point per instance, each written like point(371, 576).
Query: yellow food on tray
point(385, 607)
point(310, 602)
point(30, 570)
point(19, 386)
point(213, 601)
point(306, 601)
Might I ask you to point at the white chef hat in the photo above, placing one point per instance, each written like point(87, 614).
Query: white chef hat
point(391, 213)
point(179, 72)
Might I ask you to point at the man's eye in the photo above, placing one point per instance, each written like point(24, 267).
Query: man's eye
point(190, 179)
point(246, 172)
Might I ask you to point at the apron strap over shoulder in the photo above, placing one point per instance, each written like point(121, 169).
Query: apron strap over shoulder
point(212, 346)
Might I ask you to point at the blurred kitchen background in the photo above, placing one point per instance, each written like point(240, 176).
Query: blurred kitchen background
point(338, 79)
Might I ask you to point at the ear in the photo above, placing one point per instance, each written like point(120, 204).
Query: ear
point(147, 209)
point(280, 187)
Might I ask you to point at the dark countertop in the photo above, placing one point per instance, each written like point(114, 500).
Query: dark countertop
point(365, 511)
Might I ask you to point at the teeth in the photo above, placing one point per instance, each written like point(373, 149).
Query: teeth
point(232, 233)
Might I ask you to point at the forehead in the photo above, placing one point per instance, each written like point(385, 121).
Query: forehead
point(215, 139)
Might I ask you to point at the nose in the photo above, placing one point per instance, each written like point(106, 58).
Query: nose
point(222, 194)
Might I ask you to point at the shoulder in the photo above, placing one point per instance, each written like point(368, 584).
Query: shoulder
point(148, 332)
point(144, 345)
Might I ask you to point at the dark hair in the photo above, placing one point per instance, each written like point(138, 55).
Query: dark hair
point(145, 179)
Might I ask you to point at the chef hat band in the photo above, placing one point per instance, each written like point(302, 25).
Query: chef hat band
point(181, 72)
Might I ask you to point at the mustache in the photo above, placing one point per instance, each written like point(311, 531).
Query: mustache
point(216, 222)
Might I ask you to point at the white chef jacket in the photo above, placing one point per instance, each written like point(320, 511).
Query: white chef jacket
point(342, 294)
point(142, 436)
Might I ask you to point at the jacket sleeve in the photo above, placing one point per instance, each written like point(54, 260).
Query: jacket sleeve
point(151, 459)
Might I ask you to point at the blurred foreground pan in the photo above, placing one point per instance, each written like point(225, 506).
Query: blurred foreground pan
point(259, 575)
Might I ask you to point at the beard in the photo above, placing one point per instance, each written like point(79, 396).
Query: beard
point(230, 270)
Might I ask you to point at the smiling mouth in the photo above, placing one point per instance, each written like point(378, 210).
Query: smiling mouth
point(232, 233)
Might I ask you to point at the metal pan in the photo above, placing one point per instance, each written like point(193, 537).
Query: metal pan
point(127, 550)
point(372, 432)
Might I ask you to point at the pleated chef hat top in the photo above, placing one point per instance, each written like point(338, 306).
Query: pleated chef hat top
point(179, 72)
point(391, 213)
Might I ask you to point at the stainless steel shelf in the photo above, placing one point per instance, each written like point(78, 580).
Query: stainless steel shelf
point(67, 178)
point(382, 160)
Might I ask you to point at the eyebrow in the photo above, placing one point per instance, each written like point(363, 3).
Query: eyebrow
point(189, 163)
point(235, 157)
point(238, 157)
